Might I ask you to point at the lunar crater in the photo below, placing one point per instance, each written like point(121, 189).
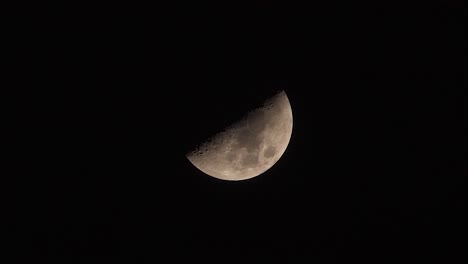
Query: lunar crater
point(269, 152)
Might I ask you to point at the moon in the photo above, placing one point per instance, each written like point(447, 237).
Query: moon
point(250, 146)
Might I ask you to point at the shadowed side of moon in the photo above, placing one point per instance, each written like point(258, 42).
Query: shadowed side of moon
point(250, 146)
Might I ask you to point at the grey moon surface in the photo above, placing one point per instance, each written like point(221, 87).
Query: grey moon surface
point(250, 146)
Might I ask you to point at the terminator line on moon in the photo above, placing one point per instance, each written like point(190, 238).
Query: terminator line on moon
point(250, 146)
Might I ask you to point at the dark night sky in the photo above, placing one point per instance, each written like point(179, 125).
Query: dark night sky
point(373, 171)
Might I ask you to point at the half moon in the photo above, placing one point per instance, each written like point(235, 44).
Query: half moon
point(250, 146)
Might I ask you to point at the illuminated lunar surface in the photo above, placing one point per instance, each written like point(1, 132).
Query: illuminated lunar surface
point(250, 146)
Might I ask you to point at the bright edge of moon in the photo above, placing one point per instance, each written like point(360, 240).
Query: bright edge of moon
point(250, 146)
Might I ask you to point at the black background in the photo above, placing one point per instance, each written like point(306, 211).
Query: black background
point(109, 99)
